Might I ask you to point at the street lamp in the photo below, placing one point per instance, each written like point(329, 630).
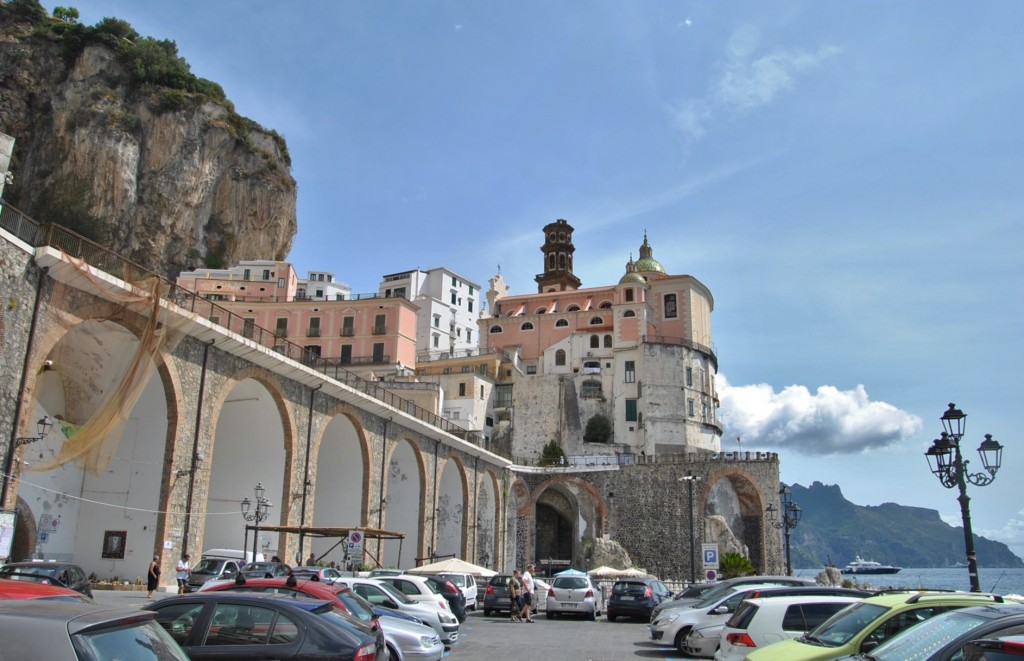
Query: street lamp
point(43, 427)
point(946, 462)
point(690, 479)
point(257, 515)
point(785, 517)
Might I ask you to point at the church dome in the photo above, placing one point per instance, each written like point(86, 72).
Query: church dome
point(631, 275)
point(647, 263)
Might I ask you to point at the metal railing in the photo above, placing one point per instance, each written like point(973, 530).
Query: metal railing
point(60, 238)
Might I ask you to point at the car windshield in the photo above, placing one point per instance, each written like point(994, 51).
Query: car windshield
point(139, 641)
point(207, 566)
point(455, 578)
point(396, 594)
point(629, 588)
point(261, 567)
point(356, 605)
point(571, 583)
point(923, 639)
point(844, 625)
point(41, 570)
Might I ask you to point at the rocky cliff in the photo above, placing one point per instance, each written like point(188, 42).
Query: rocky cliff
point(118, 140)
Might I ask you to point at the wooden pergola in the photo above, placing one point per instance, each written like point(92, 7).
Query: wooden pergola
point(326, 532)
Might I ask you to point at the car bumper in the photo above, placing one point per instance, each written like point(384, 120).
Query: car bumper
point(702, 647)
point(630, 610)
point(555, 606)
point(451, 633)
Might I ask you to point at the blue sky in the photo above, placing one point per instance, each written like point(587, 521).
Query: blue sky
point(846, 177)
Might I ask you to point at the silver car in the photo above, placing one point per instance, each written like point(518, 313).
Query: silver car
point(574, 594)
point(408, 641)
point(379, 593)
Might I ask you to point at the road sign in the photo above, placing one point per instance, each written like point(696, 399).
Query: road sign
point(710, 556)
point(711, 575)
point(356, 542)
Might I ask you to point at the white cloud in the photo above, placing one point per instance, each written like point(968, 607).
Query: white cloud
point(746, 81)
point(828, 422)
point(1011, 534)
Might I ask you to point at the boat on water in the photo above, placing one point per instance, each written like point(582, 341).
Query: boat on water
point(958, 565)
point(861, 566)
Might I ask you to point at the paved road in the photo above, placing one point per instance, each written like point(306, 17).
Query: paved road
point(495, 638)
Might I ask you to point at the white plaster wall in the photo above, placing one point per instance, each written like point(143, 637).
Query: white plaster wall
point(338, 486)
point(486, 526)
point(402, 510)
point(450, 512)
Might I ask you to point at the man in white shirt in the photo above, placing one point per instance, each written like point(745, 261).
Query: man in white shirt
point(528, 593)
point(182, 572)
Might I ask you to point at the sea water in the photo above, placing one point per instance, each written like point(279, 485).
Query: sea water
point(998, 581)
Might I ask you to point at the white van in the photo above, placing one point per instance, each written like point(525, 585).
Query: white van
point(217, 564)
point(466, 583)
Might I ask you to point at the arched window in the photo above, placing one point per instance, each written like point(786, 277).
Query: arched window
point(560, 323)
point(596, 321)
point(629, 295)
point(495, 329)
point(573, 308)
point(541, 310)
point(551, 262)
point(561, 261)
point(595, 342)
point(606, 305)
point(526, 326)
point(607, 341)
point(629, 313)
point(560, 357)
point(590, 388)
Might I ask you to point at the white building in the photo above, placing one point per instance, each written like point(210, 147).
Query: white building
point(449, 308)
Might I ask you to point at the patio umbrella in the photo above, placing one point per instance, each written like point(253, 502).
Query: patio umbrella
point(452, 565)
point(571, 572)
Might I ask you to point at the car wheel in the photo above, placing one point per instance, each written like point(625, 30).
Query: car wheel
point(592, 616)
point(487, 612)
point(681, 639)
point(550, 615)
point(393, 653)
point(611, 618)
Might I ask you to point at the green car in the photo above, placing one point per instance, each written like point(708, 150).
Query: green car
point(862, 626)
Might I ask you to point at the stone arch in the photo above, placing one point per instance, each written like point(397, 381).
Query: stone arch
point(731, 507)
point(240, 455)
point(452, 507)
point(567, 512)
point(340, 493)
point(141, 448)
point(405, 494)
point(488, 519)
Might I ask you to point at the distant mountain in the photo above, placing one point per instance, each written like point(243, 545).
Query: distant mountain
point(833, 528)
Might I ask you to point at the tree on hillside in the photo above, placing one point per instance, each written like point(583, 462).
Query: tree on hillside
point(599, 430)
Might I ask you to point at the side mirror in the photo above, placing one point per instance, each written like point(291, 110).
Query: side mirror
point(721, 610)
point(389, 603)
point(868, 645)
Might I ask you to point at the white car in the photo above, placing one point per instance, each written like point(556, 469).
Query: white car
point(408, 641)
point(466, 583)
point(416, 587)
point(672, 625)
point(379, 593)
point(760, 622)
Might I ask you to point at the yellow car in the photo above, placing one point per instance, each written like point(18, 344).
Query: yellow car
point(862, 626)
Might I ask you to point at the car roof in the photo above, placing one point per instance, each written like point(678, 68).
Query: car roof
point(247, 597)
point(14, 589)
point(34, 615)
point(893, 599)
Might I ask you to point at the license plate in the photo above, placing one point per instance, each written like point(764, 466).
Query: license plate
point(568, 605)
point(627, 598)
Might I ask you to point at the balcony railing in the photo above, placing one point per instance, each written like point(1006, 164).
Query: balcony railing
point(62, 239)
point(380, 330)
point(348, 332)
point(313, 332)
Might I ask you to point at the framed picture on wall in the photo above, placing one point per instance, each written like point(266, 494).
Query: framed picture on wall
point(114, 543)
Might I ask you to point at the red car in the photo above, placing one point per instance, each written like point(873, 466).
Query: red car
point(340, 595)
point(12, 589)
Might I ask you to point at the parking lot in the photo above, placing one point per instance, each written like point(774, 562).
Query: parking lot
point(495, 638)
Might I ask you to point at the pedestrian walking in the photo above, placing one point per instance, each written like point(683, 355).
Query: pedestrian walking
point(181, 572)
point(528, 594)
point(153, 576)
point(515, 597)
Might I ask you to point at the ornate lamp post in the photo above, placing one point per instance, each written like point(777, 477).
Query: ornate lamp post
point(948, 464)
point(690, 479)
point(785, 517)
point(257, 515)
point(43, 427)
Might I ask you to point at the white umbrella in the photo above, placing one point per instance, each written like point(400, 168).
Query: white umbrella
point(605, 571)
point(452, 565)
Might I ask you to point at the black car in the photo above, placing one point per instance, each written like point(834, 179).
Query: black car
point(54, 573)
point(1003, 648)
point(636, 597)
point(226, 625)
point(452, 594)
point(265, 570)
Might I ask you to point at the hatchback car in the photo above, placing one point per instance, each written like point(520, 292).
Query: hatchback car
point(728, 585)
point(452, 594)
point(225, 624)
point(861, 627)
point(943, 637)
point(636, 597)
point(496, 597)
point(466, 583)
point(761, 622)
point(265, 570)
point(211, 568)
point(380, 594)
point(51, 573)
point(574, 594)
point(59, 631)
point(11, 589)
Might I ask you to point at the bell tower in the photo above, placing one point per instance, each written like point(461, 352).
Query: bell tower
point(558, 250)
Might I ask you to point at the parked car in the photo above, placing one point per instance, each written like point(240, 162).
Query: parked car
point(696, 591)
point(324, 574)
point(636, 597)
point(760, 622)
point(313, 589)
point(411, 641)
point(11, 589)
point(1001, 648)
point(381, 594)
point(943, 637)
point(61, 631)
point(223, 624)
point(452, 594)
point(861, 627)
point(268, 569)
point(726, 586)
point(574, 594)
point(417, 588)
point(703, 640)
point(380, 573)
point(210, 568)
point(467, 583)
point(496, 597)
point(63, 574)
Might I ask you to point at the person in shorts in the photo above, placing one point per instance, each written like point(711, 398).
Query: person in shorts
point(181, 572)
point(526, 613)
point(515, 597)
